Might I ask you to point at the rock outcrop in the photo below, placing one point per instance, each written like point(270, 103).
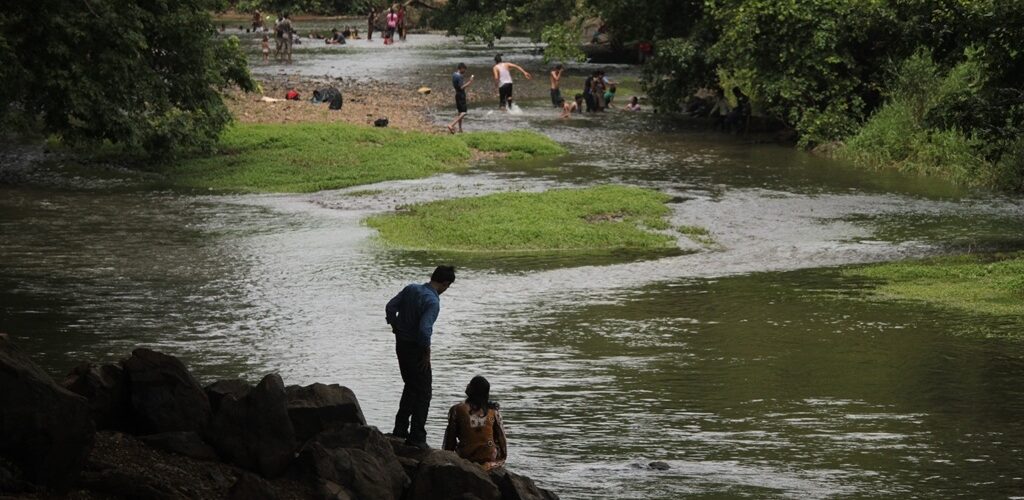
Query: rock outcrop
point(164, 396)
point(46, 429)
point(163, 436)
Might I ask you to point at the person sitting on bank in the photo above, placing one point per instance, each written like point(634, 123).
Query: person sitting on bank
point(475, 430)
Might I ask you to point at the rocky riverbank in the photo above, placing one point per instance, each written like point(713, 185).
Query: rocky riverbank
point(145, 428)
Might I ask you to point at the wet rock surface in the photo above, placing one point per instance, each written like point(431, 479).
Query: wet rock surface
point(47, 430)
point(236, 441)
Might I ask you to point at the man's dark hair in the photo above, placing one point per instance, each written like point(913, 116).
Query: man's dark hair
point(578, 96)
point(497, 58)
point(559, 66)
point(443, 274)
point(461, 66)
point(736, 91)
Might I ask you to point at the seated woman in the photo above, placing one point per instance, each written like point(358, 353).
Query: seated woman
point(474, 427)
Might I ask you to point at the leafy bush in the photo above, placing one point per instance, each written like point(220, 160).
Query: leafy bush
point(143, 75)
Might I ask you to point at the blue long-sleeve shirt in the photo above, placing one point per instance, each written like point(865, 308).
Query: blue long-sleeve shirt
point(412, 313)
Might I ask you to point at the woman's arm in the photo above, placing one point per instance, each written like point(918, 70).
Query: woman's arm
point(499, 437)
point(451, 440)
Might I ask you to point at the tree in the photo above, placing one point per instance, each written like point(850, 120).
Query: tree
point(142, 74)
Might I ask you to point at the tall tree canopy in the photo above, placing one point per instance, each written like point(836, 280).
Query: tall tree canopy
point(144, 74)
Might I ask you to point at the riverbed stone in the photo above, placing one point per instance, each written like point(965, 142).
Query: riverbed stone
point(315, 408)
point(251, 428)
point(185, 443)
point(371, 440)
point(444, 475)
point(47, 431)
point(516, 487)
point(356, 470)
point(164, 396)
point(106, 388)
point(251, 487)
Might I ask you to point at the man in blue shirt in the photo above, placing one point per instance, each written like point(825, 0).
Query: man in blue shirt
point(459, 83)
point(411, 315)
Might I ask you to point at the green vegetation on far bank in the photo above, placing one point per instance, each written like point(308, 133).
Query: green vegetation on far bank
point(991, 284)
point(316, 156)
point(601, 218)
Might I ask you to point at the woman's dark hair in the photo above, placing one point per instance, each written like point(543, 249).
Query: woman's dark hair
point(478, 393)
point(497, 58)
point(443, 274)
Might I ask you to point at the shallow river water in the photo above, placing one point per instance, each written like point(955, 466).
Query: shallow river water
point(751, 367)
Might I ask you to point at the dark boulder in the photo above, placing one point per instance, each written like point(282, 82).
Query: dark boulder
point(106, 388)
point(188, 444)
point(516, 487)
point(317, 407)
point(164, 396)
point(251, 487)
point(251, 428)
point(370, 440)
point(216, 391)
point(128, 484)
point(444, 475)
point(46, 430)
point(355, 470)
point(329, 490)
point(408, 452)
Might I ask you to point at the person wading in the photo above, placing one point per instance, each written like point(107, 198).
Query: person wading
point(411, 315)
point(503, 80)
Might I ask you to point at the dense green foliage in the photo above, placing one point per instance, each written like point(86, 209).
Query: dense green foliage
point(988, 284)
point(487, 20)
point(602, 218)
point(144, 75)
point(316, 156)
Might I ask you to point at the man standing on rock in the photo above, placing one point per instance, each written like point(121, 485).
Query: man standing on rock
point(411, 315)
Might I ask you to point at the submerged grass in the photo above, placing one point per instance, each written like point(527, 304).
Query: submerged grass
point(992, 284)
point(598, 218)
point(316, 156)
point(698, 234)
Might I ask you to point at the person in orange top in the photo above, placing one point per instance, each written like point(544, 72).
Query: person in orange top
point(474, 428)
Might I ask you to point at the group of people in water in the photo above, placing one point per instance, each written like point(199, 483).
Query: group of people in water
point(597, 96)
point(285, 35)
point(474, 429)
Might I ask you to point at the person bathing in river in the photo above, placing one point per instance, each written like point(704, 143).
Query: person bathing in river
point(460, 84)
point(609, 96)
point(392, 24)
point(475, 430)
point(739, 117)
point(401, 22)
point(370, 20)
point(721, 108)
point(265, 47)
point(634, 104)
point(503, 81)
point(568, 108)
point(556, 92)
point(411, 315)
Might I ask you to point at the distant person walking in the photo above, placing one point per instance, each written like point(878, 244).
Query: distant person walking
point(278, 37)
point(401, 22)
point(287, 31)
point(556, 81)
point(475, 430)
point(370, 21)
point(411, 315)
point(459, 83)
point(503, 80)
point(392, 25)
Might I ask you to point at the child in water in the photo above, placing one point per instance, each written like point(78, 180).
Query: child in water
point(634, 104)
point(266, 49)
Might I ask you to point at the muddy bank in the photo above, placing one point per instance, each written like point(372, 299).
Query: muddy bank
point(145, 428)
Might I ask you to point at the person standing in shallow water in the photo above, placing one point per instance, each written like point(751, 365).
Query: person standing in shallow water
point(475, 430)
point(461, 108)
point(503, 80)
point(370, 19)
point(412, 314)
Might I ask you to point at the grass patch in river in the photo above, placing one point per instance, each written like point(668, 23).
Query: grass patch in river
point(316, 156)
point(992, 284)
point(605, 218)
point(698, 234)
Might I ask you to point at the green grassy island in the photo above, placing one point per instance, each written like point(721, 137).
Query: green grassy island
point(311, 157)
point(992, 284)
point(598, 218)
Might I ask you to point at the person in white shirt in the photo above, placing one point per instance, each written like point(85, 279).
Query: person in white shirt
point(503, 80)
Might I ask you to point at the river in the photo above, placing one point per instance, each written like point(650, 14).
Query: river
point(751, 367)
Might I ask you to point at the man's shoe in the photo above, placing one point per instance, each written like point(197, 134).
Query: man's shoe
point(420, 445)
point(400, 434)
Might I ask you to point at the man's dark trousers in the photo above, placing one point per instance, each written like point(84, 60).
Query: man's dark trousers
point(414, 363)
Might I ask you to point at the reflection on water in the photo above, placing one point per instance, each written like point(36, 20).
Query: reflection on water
point(744, 366)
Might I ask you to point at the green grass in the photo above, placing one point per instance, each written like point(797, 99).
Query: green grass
point(311, 157)
point(991, 285)
point(598, 218)
point(517, 144)
point(697, 234)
